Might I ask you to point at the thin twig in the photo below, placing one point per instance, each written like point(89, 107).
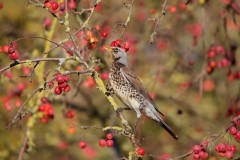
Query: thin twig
point(163, 12)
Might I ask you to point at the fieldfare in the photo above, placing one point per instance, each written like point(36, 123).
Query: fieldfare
point(130, 90)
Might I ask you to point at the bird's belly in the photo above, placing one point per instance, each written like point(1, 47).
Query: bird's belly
point(127, 94)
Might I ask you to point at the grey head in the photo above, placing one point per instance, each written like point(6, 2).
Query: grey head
point(118, 55)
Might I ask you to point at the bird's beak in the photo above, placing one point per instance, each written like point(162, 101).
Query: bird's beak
point(108, 48)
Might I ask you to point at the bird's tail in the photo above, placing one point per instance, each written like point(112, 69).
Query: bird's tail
point(167, 128)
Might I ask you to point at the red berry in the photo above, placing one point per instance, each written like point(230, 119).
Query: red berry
point(60, 78)
point(203, 155)
point(44, 119)
point(197, 148)
point(196, 156)
point(183, 6)
point(237, 136)
point(233, 130)
point(126, 46)
point(113, 44)
point(118, 43)
point(102, 143)
point(172, 9)
point(72, 4)
point(57, 90)
point(104, 76)
point(44, 100)
point(62, 6)
point(14, 56)
point(82, 144)
point(221, 147)
point(50, 84)
point(234, 148)
point(67, 89)
point(213, 64)
point(141, 151)
point(5, 48)
point(211, 54)
point(229, 154)
point(110, 143)
point(1, 5)
point(54, 6)
point(104, 34)
point(204, 143)
point(47, 4)
point(11, 50)
point(66, 78)
point(62, 85)
point(109, 136)
point(70, 114)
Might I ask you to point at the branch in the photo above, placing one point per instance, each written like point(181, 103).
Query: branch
point(163, 12)
point(21, 114)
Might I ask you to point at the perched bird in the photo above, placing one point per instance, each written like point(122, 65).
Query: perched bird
point(130, 90)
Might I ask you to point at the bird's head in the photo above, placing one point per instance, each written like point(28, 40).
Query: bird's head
point(117, 54)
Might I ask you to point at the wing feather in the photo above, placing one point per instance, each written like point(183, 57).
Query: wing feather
point(136, 83)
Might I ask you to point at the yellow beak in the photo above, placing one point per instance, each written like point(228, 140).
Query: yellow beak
point(108, 48)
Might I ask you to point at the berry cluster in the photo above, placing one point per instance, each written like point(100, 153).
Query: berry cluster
point(47, 110)
point(108, 142)
point(218, 57)
point(10, 49)
point(62, 84)
point(117, 43)
point(235, 132)
point(102, 142)
point(199, 151)
point(226, 150)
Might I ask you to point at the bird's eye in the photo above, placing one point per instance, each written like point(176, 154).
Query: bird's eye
point(115, 49)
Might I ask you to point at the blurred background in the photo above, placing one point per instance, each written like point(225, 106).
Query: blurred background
point(196, 89)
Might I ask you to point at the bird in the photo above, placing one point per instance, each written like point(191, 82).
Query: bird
point(128, 88)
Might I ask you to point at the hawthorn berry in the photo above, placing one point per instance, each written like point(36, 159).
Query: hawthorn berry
point(1, 5)
point(110, 143)
point(11, 50)
point(72, 4)
point(70, 114)
point(109, 136)
point(232, 130)
point(14, 56)
point(141, 151)
point(50, 84)
point(104, 34)
point(102, 143)
point(237, 136)
point(60, 79)
point(67, 89)
point(44, 100)
point(82, 144)
point(47, 4)
point(57, 90)
point(204, 143)
point(54, 6)
point(126, 46)
point(172, 9)
point(197, 148)
point(229, 154)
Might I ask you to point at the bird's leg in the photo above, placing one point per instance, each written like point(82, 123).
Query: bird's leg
point(139, 114)
point(135, 126)
point(120, 110)
point(110, 91)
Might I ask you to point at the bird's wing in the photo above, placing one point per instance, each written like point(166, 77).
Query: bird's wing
point(136, 83)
